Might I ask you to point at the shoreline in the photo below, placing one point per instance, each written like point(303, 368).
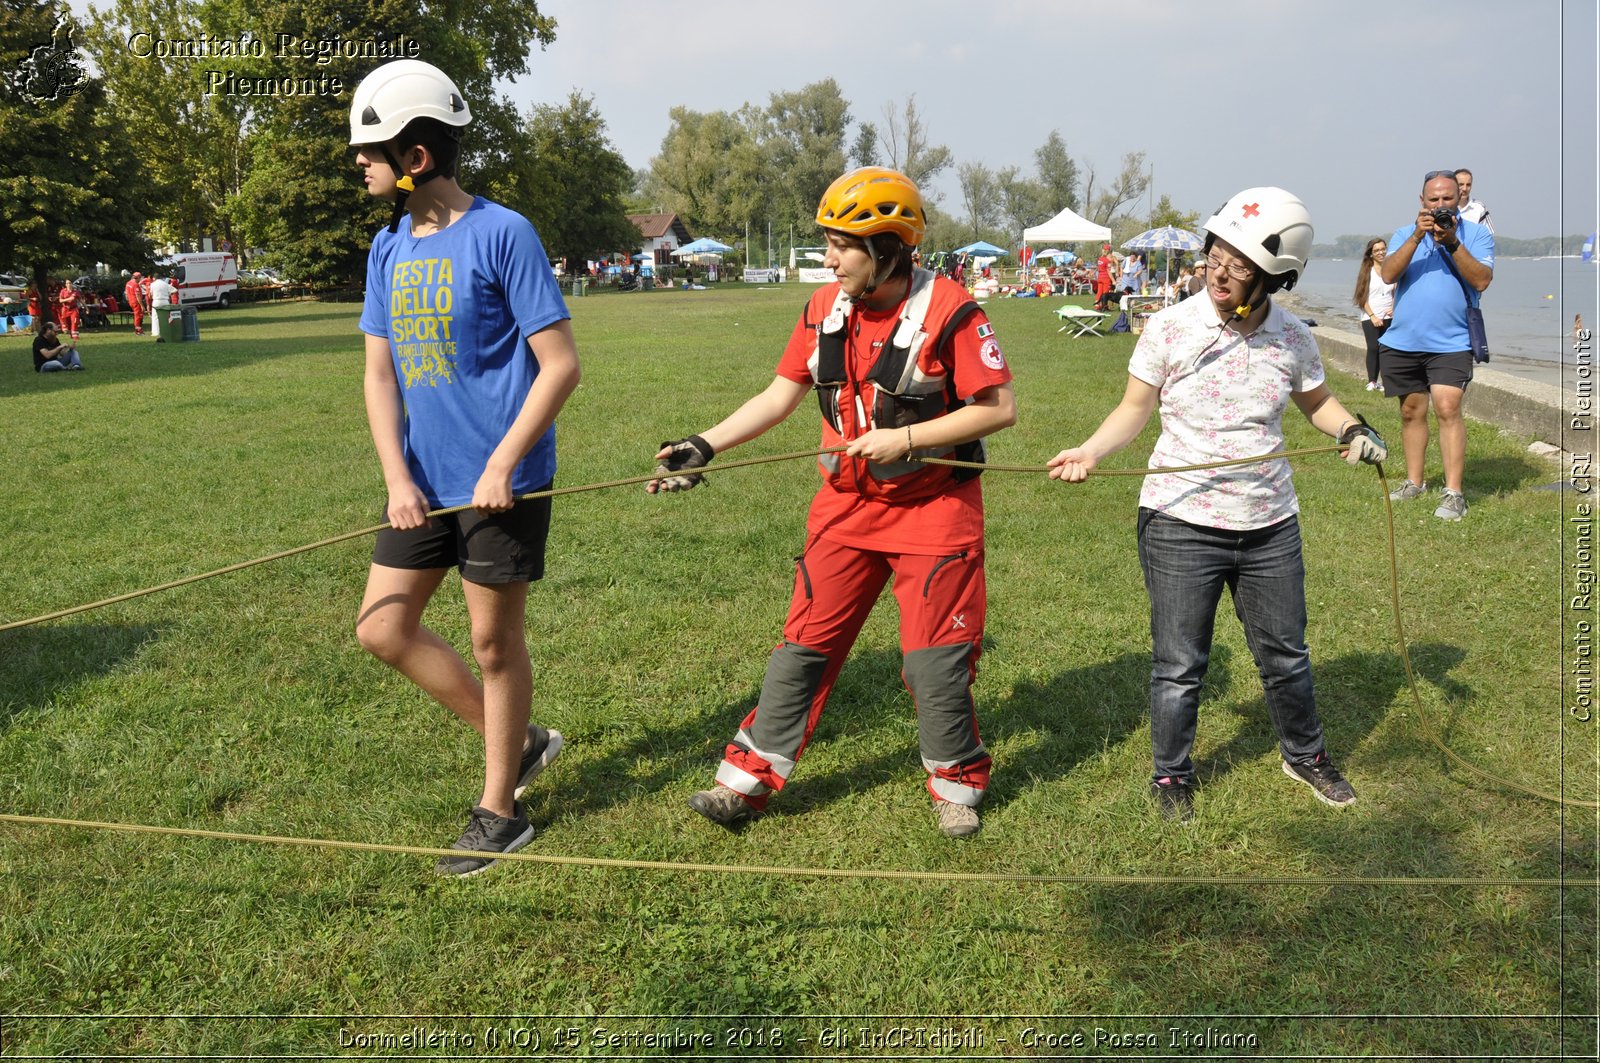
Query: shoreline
point(1522, 395)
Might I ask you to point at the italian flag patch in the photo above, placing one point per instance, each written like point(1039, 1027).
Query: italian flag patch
point(985, 330)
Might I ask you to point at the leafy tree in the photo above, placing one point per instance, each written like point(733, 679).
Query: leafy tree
point(569, 182)
point(980, 198)
point(72, 190)
point(803, 142)
point(1058, 174)
point(864, 149)
point(196, 155)
point(710, 170)
point(1167, 214)
point(261, 149)
point(1023, 202)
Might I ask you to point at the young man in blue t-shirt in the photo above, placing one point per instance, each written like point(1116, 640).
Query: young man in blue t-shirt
point(469, 356)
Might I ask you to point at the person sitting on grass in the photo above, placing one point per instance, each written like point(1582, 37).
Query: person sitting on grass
point(906, 366)
point(1222, 368)
point(50, 355)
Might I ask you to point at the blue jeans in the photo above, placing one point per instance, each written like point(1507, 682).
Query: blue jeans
point(1185, 568)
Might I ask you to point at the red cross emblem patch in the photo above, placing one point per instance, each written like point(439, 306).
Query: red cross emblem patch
point(1252, 209)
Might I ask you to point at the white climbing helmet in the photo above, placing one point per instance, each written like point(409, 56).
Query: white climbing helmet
point(1270, 227)
point(397, 92)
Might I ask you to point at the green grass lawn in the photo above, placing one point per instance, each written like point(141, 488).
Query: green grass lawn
point(244, 704)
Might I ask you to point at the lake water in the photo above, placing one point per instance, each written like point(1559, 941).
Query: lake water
point(1527, 310)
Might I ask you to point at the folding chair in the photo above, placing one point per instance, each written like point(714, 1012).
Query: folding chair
point(1083, 322)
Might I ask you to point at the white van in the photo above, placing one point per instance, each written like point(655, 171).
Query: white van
point(205, 278)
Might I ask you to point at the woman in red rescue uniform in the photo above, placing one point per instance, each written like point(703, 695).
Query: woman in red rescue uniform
point(905, 366)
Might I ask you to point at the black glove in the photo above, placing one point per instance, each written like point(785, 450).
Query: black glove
point(691, 453)
point(1364, 443)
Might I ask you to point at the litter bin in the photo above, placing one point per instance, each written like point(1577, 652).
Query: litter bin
point(580, 286)
point(184, 321)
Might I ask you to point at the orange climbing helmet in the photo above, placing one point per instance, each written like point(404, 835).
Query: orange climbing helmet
point(872, 200)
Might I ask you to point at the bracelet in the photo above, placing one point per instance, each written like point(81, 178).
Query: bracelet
point(908, 443)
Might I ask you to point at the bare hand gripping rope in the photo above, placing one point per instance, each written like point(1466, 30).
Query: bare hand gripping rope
point(1400, 637)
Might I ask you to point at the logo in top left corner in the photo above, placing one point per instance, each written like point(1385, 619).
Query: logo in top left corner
point(52, 72)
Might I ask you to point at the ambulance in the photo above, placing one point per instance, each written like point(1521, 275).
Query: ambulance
point(205, 278)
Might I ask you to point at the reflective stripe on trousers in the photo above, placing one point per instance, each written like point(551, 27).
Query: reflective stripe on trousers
point(942, 606)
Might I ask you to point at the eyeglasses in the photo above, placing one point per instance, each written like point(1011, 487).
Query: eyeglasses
point(1236, 270)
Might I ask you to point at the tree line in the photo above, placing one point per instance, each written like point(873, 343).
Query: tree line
point(153, 146)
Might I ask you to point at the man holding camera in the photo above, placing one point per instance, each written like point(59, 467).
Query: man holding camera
point(1426, 354)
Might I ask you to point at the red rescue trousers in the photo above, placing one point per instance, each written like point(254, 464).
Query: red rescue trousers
point(942, 602)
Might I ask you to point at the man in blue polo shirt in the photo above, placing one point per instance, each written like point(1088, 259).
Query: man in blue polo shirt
point(1426, 355)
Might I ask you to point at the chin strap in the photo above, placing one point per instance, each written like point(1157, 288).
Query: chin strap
point(406, 185)
point(878, 271)
point(1243, 310)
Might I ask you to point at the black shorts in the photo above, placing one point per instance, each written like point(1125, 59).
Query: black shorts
point(1405, 373)
point(490, 548)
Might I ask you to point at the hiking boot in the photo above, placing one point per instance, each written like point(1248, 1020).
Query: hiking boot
point(1452, 505)
point(957, 820)
point(1324, 780)
point(723, 806)
point(542, 748)
point(1174, 797)
point(1407, 491)
point(486, 833)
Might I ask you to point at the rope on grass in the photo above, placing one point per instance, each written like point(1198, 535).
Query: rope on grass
point(606, 863)
point(1383, 484)
point(347, 536)
point(1394, 591)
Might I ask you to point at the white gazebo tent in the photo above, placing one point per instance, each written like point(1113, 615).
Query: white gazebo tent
point(1065, 228)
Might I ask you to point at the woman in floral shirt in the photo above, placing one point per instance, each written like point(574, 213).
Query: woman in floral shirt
point(1222, 370)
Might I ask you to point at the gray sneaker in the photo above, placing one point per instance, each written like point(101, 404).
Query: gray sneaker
point(486, 834)
point(542, 748)
point(1452, 505)
point(723, 806)
point(957, 821)
point(1407, 491)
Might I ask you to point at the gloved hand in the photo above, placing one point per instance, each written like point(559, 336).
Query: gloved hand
point(677, 455)
point(1365, 444)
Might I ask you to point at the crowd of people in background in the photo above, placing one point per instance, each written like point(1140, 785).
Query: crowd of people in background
point(68, 308)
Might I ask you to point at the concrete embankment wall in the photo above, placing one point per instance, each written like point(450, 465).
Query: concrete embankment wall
point(1524, 407)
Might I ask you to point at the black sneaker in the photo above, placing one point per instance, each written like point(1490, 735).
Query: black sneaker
point(486, 833)
point(723, 806)
point(1324, 780)
point(1174, 797)
point(542, 749)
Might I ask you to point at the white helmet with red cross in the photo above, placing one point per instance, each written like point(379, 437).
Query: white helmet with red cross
point(1270, 227)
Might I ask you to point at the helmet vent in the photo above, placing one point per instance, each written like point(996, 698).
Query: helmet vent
point(457, 104)
point(370, 117)
point(1272, 243)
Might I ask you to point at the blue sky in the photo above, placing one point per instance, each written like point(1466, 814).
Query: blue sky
point(1345, 104)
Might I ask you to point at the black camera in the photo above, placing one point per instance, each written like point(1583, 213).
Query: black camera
point(1444, 216)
